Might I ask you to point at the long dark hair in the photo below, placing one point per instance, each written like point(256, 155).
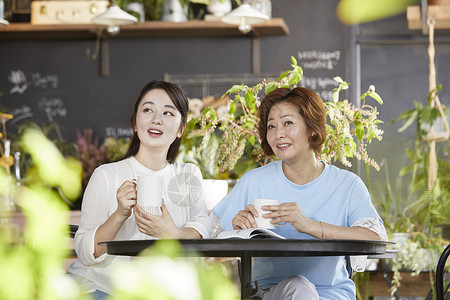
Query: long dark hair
point(181, 102)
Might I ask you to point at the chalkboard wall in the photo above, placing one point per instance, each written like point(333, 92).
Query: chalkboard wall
point(46, 81)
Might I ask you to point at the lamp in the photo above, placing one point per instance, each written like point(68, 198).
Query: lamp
point(113, 17)
point(244, 15)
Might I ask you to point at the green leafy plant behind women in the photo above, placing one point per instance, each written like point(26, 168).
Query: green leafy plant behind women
point(427, 208)
point(348, 124)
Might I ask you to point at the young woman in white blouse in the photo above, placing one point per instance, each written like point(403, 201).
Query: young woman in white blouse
point(109, 208)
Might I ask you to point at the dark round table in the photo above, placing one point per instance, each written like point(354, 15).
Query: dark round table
point(248, 248)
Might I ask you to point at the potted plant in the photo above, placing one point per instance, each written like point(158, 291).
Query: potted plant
point(179, 10)
point(182, 10)
point(219, 8)
point(237, 128)
point(419, 213)
point(153, 8)
point(429, 205)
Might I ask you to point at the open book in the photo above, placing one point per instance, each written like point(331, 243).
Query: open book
point(250, 233)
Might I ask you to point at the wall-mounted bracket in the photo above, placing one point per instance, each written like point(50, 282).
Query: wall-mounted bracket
point(104, 55)
point(255, 52)
point(424, 16)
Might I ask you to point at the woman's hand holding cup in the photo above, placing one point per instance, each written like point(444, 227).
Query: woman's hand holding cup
point(259, 214)
point(267, 218)
point(288, 213)
point(245, 218)
point(126, 198)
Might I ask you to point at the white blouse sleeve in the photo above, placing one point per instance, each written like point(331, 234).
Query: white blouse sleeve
point(94, 213)
point(358, 263)
point(216, 227)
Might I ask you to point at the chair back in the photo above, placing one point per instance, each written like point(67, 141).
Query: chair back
point(73, 230)
point(440, 292)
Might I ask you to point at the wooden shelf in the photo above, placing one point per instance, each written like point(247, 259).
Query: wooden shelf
point(441, 14)
point(22, 31)
point(275, 26)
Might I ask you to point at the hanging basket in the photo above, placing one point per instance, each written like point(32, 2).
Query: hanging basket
point(433, 137)
point(440, 130)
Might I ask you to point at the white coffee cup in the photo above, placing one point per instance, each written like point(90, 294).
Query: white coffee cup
point(260, 221)
point(149, 193)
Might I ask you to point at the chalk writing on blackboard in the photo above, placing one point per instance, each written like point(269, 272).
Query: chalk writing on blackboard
point(118, 132)
point(326, 95)
point(53, 107)
point(45, 81)
point(319, 59)
point(322, 85)
point(21, 81)
point(17, 78)
point(21, 113)
point(319, 82)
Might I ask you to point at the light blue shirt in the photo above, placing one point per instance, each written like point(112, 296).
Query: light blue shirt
point(337, 197)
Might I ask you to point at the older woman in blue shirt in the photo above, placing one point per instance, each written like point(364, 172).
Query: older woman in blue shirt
point(316, 200)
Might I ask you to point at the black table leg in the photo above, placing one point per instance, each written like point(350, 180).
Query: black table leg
point(389, 284)
point(246, 275)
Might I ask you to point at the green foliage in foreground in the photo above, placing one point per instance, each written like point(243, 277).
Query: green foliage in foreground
point(32, 261)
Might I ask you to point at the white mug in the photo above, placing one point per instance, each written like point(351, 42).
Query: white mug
point(149, 193)
point(260, 221)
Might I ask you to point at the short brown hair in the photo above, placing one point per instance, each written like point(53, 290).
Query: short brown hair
point(310, 107)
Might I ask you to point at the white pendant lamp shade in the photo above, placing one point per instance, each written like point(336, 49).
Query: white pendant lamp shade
point(3, 22)
point(244, 13)
point(114, 16)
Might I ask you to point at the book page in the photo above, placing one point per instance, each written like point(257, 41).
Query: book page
point(249, 233)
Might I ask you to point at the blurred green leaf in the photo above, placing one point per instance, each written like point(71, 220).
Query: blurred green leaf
point(250, 100)
point(283, 75)
point(377, 97)
point(252, 140)
point(362, 11)
point(270, 87)
point(412, 117)
point(428, 115)
point(348, 151)
point(232, 108)
point(359, 131)
point(293, 61)
point(236, 88)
